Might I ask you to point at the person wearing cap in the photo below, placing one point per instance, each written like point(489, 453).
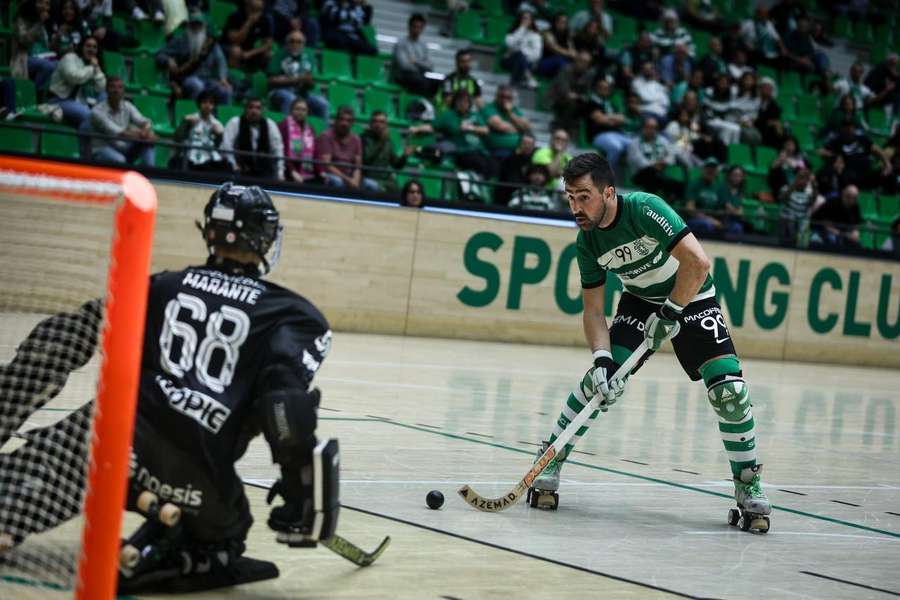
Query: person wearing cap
point(702, 202)
point(195, 61)
point(670, 34)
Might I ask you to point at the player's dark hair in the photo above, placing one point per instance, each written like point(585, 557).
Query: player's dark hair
point(207, 95)
point(590, 163)
point(461, 53)
point(416, 18)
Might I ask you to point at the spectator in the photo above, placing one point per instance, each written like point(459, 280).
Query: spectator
point(98, 14)
point(596, 13)
point(692, 84)
point(801, 51)
point(342, 24)
point(542, 11)
point(570, 92)
point(702, 15)
point(633, 57)
point(78, 82)
point(768, 119)
point(380, 153)
point(466, 131)
point(587, 39)
point(832, 178)
point(731, 197)
point(524, 46)
point(412, 194)
point(247, 35)
point(512, 169)
point(648, 156)
point(857, 152)
point(761, 38)
point(195, 61)
point(339, 154)
point(706, 141)
point(846, 110)
point(505, 122)
point(535, 195)
point(786, 165)
point(670, 34)
point(653, 95)
point(797, 199)
point(555, 157)
point(704, 205)
point(290, 77)
point(201, 133)
point(738, 65)
point(299, 142)
point(884, 81)
point(892, 243)
point(837, 221)
point(32, 57)
point(714, 62)
point(559, 47)
point(718, 104)
point(854, 86)
point(682, 131)
point(252, 144)
point(118, 117)
point(786, 15)
point(293, 15)
point(634, 119)
point(69, 28)
point(604, 125)
point(676, 66)
point(410, 62)
point(142, 9)
point(745, 109)
point(891, 182)
point(461, 79)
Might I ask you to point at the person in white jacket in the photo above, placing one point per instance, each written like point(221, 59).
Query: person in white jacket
point(77, 83)
point(654, 96)
point(524, 47)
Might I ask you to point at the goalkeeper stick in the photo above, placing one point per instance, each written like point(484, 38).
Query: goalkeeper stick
point(478, 501)
point(354, 553)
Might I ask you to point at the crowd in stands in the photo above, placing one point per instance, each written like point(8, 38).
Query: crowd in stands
point(717, 109)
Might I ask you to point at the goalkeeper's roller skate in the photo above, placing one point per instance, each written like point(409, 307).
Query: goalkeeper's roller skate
point(753, 507)
point(543, 490)
point(143, 548)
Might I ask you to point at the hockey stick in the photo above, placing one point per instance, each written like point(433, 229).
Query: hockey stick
point(478, 501)
point(354, 553)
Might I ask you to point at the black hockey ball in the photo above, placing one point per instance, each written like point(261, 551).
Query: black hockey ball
point(434, 499)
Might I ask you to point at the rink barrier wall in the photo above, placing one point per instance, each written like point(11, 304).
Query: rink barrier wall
point(381, 269)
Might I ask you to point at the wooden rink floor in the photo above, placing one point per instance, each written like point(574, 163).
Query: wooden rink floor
point(643, 500)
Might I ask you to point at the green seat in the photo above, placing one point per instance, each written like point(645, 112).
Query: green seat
point(868, 206)
point(863, 33)
point(259, 85)
point(318, 125)
point(342, 95)
point(492, 8)
point(432, 183)
point(756, 183)
point(468, 26)
point(226, 112)
point(772, 216)
point(336, 65)
point(162, 154)
point(374, 99)
point(59, 144)
point(878, 120)
point(808, 109)
point(150, 37)
point(147, 77)
point(867, 238)
point(843, 27)
point(114, 64)
point(791, 84)
point(404, 101)
point(741, 154)
point(17, 140)
point(184, 107)
point(25, 95)
point(889, 207)
point(805, 137)
point(496, 29)
point(219, 12)
point(370, 69)
point(765, 156)
point(370, 34)
point(155, 109)
point(275, 115)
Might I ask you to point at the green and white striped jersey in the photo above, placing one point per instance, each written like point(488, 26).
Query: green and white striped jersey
point(636, 246)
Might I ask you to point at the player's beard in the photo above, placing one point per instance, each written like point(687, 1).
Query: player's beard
point(588, 224)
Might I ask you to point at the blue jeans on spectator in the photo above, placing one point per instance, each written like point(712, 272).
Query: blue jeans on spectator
point(282, 98)
point(133, 151)
point(74, 112)
point(613, 144)
point(40, 70)
point(518, 66)
point(193, 86)
point(370, 185)
point(549, 66)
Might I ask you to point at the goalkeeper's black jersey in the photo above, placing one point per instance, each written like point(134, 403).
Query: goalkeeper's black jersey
point(211, 339)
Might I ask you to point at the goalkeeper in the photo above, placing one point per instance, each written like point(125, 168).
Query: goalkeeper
point(226, 356)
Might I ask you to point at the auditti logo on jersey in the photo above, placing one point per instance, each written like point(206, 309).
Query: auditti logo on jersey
point(209, 412)
point(186, 496)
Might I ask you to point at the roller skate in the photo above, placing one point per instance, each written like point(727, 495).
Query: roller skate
point(145, 548)
point(543, 490)
point(753, 508)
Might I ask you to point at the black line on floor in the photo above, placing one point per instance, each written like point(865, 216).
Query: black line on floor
point(331, 409)
point(528, 443)
point(847, 503)
point(887, 512)
point(583, 452)
point(430, 426)
point(480, 434)
point(791, 492)
point(686, 471)
point(634, 461)
point(862, 585)
point(377, 417)
point(450, 598)
point(505, 548)
point(543, 414)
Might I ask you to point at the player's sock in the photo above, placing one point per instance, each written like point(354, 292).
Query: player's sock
point(740, 443)
point(577, 400)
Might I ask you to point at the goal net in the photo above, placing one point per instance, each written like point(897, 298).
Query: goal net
point(74, 259)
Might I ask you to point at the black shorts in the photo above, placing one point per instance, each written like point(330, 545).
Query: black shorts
point(703, 334)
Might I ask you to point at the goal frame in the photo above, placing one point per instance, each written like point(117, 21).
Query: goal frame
point(127, 284)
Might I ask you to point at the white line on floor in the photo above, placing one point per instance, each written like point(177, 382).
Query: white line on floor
point(872, 538)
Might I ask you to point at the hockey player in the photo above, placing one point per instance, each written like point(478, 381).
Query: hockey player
point(668, 294)
point(226, 355)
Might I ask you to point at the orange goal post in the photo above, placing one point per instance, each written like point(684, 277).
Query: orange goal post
point(130, 201)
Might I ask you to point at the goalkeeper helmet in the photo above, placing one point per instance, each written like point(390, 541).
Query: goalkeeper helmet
point(243, 218)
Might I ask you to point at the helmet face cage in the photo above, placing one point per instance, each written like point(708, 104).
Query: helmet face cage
point(243, 218)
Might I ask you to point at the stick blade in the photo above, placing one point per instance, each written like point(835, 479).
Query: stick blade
point(493, 505)
point(350, 551)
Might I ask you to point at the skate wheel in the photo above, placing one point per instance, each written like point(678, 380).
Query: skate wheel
point(169, 514)
point(147, 503)
point(547, 500)
point(744, 523)
point(555, 501)
point(129, 556)
point(733, 516)
point(533, 498)
point(760, 524)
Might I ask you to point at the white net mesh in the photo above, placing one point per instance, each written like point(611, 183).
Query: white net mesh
point(53, 261)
